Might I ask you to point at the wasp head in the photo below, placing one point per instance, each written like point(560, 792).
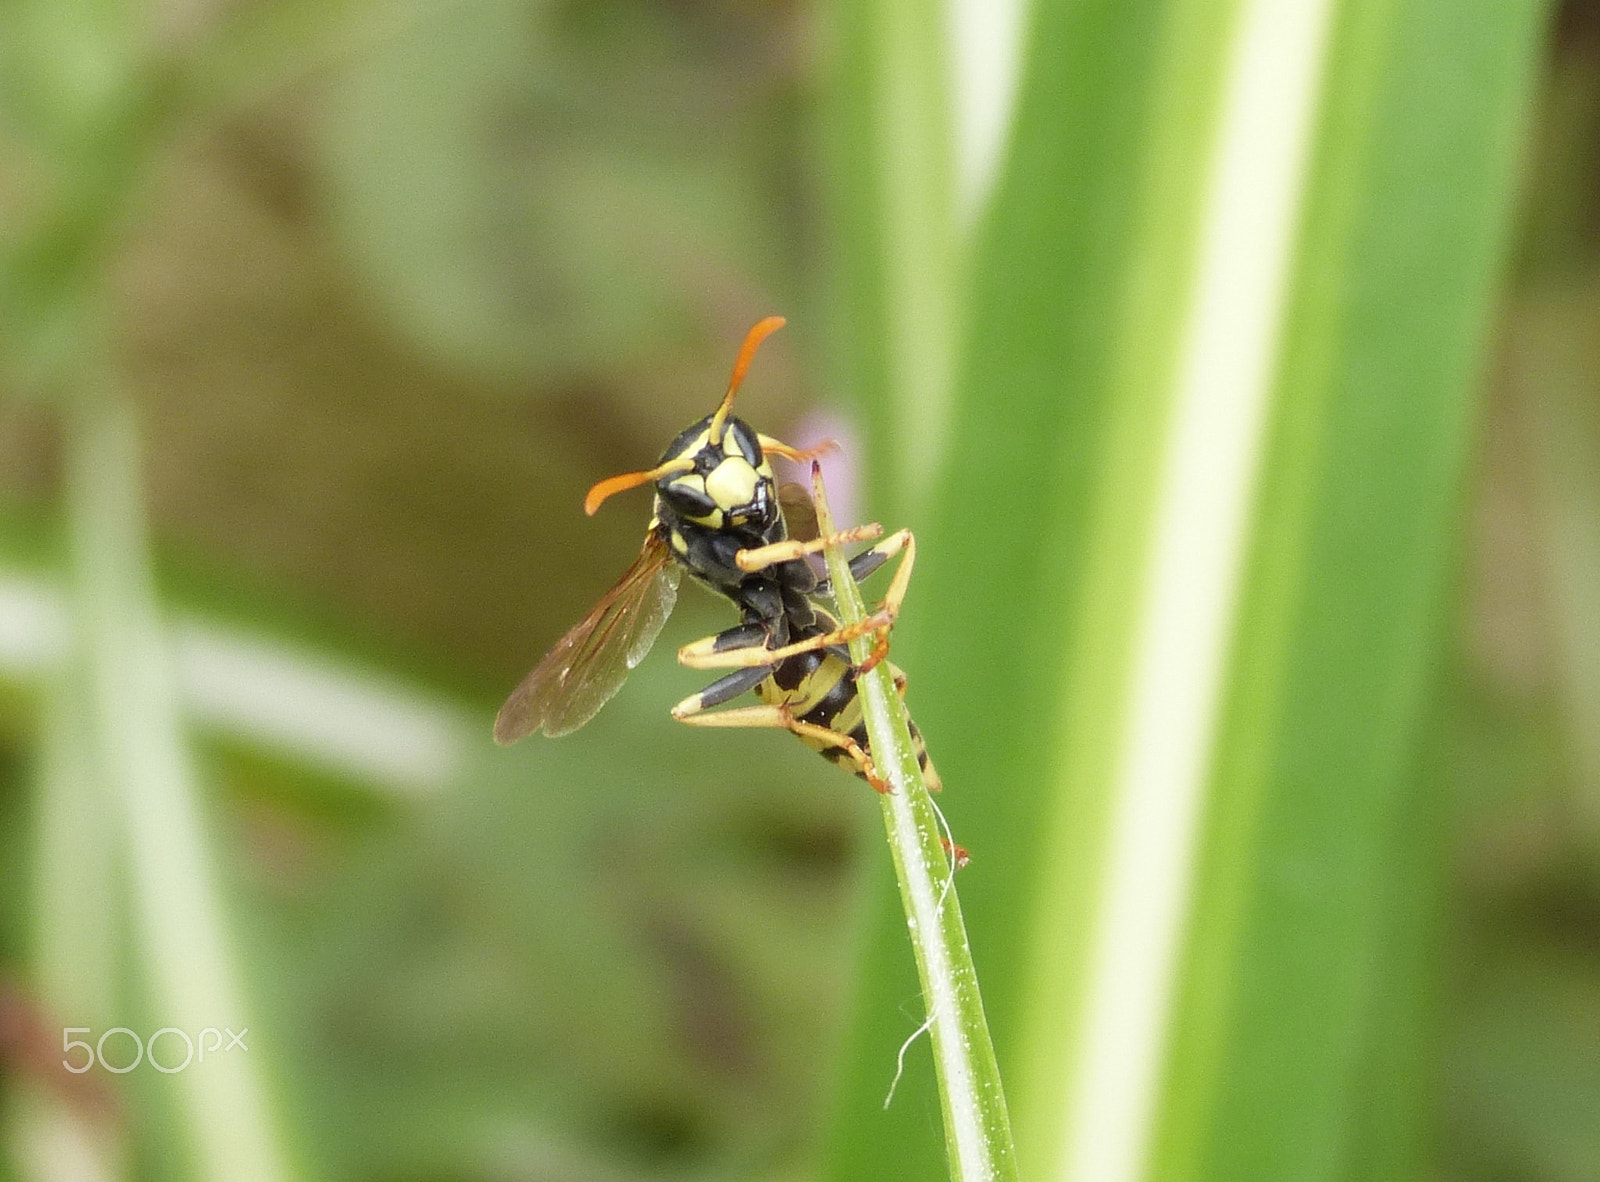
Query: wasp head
point(714, 474)
point(719, 484)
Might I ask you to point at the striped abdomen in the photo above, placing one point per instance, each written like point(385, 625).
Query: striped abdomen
point(819, 688)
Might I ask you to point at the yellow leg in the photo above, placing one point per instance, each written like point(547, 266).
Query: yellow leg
point(779, 718)
point(901, 541)
point(764, 556)
point(702, 654)
point(774, 447)
point(724, 689)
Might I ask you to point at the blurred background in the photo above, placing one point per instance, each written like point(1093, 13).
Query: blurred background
point(319, 318)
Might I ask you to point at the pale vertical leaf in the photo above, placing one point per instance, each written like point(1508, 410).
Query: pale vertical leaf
point(143, 763)
point(892, 185)
point(1245, 1004)
point(1310, 850)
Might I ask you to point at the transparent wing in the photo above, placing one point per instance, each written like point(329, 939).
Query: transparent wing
point(800, 519)
point(589, 664)
point(653, 616)
point(799, 514)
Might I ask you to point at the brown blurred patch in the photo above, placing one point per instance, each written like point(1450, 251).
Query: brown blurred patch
point(296, 440)
point(30, 1048)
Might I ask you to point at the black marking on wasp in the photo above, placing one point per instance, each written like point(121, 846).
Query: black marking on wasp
point(720, 515)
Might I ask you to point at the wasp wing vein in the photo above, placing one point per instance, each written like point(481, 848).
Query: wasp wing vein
point(588, 665)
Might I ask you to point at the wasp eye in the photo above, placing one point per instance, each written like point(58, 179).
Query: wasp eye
point(687, 494)
point(742, 438)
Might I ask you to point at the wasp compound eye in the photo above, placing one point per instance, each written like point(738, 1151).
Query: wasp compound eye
point(688, 495)
point(742, 439)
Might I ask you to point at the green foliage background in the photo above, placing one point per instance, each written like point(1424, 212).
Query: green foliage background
point(381, 288)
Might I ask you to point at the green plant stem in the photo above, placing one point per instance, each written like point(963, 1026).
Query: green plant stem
point(976, 1123)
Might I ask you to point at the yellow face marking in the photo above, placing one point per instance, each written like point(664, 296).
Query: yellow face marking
point(695, 484)
point(732, 483)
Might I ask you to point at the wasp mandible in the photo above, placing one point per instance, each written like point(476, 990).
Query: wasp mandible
point(720, 515)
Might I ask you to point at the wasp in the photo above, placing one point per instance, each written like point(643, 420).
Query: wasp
point(720, 514)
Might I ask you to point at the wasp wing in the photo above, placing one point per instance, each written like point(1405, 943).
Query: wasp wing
point(799, 514)
point(800, 521)
point(589, 664)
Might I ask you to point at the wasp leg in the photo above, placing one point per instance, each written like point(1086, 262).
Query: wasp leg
point(724, 689)
point(742, 636)
point(779, 718)
point(704, 654)
point(880, 650)
point(764, 556)
point(707, 654)
point(870, 560)
point(773, 446)
point(866, 564)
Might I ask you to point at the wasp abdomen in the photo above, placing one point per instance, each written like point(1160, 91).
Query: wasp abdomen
point(819, 689)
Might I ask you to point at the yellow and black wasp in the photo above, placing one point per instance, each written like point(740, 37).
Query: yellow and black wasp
point(720, 515)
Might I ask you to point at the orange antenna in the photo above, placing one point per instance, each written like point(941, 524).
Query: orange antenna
point(747, 351)
point(615, 484)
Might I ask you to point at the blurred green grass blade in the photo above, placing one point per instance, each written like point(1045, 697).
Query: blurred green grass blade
point(141, 758)
point(1305, 845)
point(1392, 1123)
point(1072, 295)
point(74, 896)
point(74, 883)
point(892, 180)
point(1029, 636)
